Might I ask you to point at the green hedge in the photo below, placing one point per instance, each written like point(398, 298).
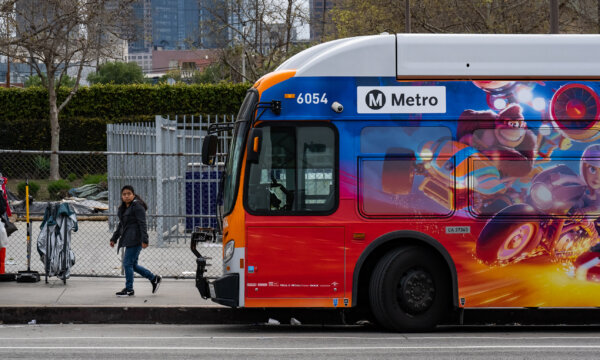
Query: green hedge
point(24, 121)
point(117, 101)
point(77, 133)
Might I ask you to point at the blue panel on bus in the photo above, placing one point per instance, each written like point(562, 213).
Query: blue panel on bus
point(311, 98)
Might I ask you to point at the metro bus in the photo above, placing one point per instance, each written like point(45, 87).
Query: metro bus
point(413, 176)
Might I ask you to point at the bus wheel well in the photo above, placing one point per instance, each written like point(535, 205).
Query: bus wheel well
point(373, 258)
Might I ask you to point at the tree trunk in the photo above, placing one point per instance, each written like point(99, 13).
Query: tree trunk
point(288, 24)
point(54, 128)
point(407, 17)
point(553, 16)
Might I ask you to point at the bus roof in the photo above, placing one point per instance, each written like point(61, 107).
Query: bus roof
point(439, 56)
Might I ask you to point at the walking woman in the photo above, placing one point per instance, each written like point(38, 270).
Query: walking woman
point(133, 236)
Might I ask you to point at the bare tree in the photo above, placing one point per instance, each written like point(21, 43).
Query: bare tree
point(58, 37)
point(258, 34)
point(463, 16)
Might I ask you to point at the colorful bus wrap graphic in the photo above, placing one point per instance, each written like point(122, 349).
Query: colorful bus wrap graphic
point(505, 174)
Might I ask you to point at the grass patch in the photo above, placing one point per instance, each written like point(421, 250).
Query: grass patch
point(42, 195)
point(95, 178)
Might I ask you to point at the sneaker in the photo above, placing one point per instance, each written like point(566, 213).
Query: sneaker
point(125, 293)
point(156, 283)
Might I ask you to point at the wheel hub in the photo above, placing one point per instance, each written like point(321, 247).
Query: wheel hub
point(416, 291)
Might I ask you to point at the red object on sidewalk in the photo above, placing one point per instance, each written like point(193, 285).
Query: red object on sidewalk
point(2, 258)
point(5, 197)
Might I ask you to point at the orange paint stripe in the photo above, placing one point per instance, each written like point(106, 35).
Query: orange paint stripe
point(237, 219)
point(271, 79)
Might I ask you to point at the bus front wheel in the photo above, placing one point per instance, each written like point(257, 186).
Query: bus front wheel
point(409, 290)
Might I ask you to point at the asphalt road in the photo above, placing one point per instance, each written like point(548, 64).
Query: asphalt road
point(293, 342)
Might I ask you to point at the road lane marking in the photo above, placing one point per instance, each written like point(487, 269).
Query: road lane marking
point(399, 337)
point(453, 347)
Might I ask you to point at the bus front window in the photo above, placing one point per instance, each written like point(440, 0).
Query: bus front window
point(295, 173)
point(234, 160)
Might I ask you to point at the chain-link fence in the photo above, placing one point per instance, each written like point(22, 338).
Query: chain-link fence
point(180, 192)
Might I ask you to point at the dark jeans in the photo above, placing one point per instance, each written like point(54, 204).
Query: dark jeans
point(130, 264)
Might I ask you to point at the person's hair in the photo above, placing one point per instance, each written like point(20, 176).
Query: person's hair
point(135, 197)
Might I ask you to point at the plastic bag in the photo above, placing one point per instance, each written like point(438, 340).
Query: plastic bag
point(9, 227)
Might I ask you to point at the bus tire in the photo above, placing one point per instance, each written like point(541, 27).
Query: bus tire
point(409, 290)
point(502, 242)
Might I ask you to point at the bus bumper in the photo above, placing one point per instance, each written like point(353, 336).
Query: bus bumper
point(225, 290)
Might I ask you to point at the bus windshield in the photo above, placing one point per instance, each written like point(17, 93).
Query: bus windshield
point(234, 160)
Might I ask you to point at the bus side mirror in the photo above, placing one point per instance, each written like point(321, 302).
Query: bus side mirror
point(209, 149)
point(254, 144)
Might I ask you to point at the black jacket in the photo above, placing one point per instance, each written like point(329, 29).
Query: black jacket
point(132, 226)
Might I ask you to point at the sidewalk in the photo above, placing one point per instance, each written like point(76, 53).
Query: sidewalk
point(93, 300)
point(85, 291)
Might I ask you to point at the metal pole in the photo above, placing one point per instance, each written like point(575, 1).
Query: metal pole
point(28, 225)
point(553, 16)
point(158, 120)
point(7, 56)
point(65, 250)
point(243, 50)
point(48, 250)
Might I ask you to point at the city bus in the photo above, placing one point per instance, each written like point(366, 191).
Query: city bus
point(413, 176)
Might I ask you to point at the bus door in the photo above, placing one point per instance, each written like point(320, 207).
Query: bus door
point(293, 249)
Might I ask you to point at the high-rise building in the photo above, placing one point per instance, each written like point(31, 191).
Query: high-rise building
point(179, 25)
point(320, 19)
point(175, 24)
point(142, 14)
point(214, 15)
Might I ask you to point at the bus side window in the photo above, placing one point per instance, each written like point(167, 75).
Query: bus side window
point(407, 171)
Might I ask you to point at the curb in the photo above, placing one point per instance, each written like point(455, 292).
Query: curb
point(161, 314)
point(114, 315)
point(216, 315)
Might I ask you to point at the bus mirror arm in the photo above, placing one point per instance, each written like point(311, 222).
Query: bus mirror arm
point(219, 127)
point(274, 105)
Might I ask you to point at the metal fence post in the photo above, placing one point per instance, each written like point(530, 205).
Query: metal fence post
point(159, 174)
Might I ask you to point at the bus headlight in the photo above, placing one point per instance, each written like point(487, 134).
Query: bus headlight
point(228, 253)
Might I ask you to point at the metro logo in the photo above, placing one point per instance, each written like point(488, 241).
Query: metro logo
point(375, 99)
point(404, 99)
